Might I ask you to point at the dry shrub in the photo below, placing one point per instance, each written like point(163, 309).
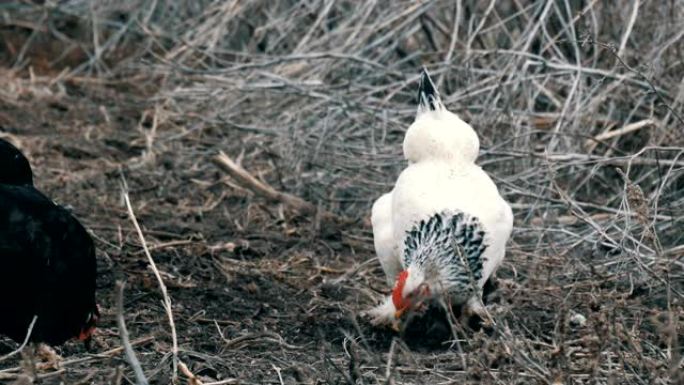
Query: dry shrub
point(578, 105)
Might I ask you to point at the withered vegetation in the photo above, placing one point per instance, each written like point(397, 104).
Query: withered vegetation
point(579, 108)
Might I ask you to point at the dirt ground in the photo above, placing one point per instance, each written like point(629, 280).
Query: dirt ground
point(263, 294)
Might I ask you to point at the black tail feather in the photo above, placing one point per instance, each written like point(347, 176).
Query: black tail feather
point(428, 97)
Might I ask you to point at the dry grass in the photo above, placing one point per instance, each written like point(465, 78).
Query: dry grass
point(578, 105)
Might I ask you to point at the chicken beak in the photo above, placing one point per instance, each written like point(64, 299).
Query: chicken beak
point(399, 312)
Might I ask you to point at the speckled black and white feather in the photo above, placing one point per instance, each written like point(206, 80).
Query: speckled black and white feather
point(451, 244)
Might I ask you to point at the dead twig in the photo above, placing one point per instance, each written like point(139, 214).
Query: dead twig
point(11, 372)
point(23, 344)
point(389, 380)
point(123, 334)
point(619, 132)
point(239, 342)
point(160, 281)
point(192, 379)
point(225, 163)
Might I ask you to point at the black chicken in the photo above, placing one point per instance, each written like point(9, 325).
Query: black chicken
point(47, 261)
point(14, 167)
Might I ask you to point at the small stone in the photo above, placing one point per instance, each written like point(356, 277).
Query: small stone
point(578, 320)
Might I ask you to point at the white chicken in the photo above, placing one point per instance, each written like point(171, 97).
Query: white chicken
point(442, 231)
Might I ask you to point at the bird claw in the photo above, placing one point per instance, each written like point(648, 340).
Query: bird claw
point(483, 319)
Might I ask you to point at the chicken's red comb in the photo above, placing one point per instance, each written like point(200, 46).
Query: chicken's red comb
point(397, 297)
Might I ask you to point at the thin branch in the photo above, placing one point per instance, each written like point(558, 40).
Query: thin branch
point(123, 334)
point(225, 163)
point(160, 281)
point(23, 344)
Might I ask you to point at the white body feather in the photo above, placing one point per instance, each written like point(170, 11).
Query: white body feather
point(441, 176)
point(383, 237)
